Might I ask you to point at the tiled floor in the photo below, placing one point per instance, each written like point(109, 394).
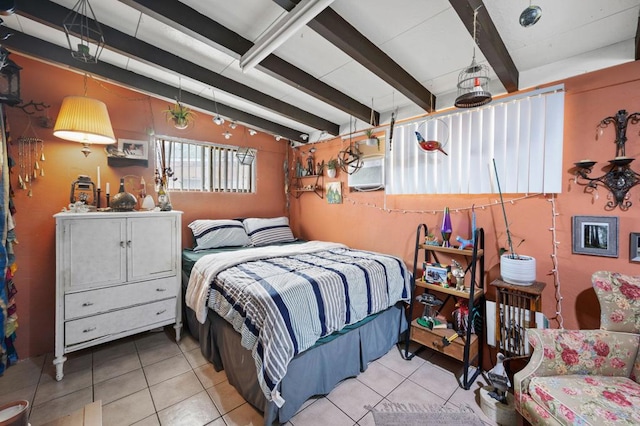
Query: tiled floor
point(148, 379)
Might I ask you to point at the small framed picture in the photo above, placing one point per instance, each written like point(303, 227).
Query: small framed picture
point(634, 247)
point(435, 273)
point(595, 235)
point(134, 149)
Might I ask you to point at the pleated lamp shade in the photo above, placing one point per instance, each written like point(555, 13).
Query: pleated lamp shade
point(85, 120)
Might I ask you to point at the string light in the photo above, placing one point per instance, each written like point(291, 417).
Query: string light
point(554, 260)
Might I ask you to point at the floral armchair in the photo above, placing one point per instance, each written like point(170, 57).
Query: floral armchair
point(587, 377)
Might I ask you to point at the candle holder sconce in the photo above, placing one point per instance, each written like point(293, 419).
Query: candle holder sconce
point(619, 178)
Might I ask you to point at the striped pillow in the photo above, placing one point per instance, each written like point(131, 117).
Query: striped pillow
point(263, 232)
point(218, 233)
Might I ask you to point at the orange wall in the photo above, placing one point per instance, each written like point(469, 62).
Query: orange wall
point(361, 221)
point(388, 224)
point(131, 114)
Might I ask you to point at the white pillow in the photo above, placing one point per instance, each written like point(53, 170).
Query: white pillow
point(263, 232)
point(218, 233)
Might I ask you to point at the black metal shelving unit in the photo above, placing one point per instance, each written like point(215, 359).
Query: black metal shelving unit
point(469, 349)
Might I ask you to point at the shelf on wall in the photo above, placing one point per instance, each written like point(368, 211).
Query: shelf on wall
point(126, 162)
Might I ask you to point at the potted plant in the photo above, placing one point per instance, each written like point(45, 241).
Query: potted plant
point(332, 167)
point(371, 138)
point(515, 268)
point(181, 115)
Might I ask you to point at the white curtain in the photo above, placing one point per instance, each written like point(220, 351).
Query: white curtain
point(524, 134)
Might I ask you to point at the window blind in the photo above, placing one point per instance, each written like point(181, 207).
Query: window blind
point(524, 135)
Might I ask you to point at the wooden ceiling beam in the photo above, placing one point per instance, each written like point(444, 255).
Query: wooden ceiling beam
point(185, 19)
point(52, 15)
point(345, 37)
point(489, 41)
point(37, 48)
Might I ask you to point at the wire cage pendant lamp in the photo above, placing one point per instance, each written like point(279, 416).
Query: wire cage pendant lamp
point(473, 81)
point(84, 34)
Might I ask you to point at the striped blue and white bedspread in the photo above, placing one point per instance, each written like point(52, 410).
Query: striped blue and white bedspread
point(283, 299)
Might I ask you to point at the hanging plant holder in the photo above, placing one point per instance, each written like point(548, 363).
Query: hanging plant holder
point(246, 156)
point(180, 115)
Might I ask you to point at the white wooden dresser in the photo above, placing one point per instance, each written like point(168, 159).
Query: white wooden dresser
point(117, 274)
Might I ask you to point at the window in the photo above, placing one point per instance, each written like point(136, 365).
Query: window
point(523, 134)
point(203, 166)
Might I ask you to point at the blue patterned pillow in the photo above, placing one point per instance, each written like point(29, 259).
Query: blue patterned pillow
point(218, 233)
point(263, 232)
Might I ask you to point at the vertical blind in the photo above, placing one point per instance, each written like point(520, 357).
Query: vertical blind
point(524, 135)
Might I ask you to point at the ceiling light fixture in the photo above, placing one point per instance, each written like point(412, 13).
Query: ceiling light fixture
point(233, 125)
point(227, 135)
point(304, 137)
point(85, 120)
point(217, 119)
point(252, 132)
point(278, 137)
point(83, 33)
point(281, 30)
point(530, 15)
point(473, 81)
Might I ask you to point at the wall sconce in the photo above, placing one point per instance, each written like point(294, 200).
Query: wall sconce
point(619, 179)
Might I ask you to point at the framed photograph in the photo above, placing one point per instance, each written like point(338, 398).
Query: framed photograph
point(595, 235)
point(634, 247)
point(435, 273)
point(134, 149)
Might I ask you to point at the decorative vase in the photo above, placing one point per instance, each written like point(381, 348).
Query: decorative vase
point(163, 200)
point(123, 201)
point(331, 173)
point(446, 228)
point(518, 269)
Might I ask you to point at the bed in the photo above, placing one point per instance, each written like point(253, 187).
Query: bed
point(287, 319)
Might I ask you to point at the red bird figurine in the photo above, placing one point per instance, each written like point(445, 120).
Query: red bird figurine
point(429, 145)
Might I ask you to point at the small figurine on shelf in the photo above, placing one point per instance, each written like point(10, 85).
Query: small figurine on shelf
point(431, 240)
point(461, 317)
point(458, 275)
point(471, 241)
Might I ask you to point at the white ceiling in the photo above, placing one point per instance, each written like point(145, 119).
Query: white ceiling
point(425, 38)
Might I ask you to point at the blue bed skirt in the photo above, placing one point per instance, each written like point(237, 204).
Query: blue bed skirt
point(313, 372)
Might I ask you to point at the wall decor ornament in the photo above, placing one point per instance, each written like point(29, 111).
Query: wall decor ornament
point(595, 235)
point(619, 178)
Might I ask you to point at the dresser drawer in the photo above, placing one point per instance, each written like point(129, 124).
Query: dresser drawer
point(93, 302)
point(84, 329)
point(432, 339)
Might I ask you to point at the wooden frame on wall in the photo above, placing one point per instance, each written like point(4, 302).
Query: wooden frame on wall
point(595, 235)
point(134, 149)
point(634, 247)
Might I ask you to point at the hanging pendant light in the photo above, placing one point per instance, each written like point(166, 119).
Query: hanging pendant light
point(473, 81)
point(84, 120)
point(530, 16)
point(84, 35)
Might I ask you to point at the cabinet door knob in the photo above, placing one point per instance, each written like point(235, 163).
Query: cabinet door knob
point(129, 243)
point(161, 312)
point(88, 330)
point(87, 304)
point(161, 289)
point(121, 243)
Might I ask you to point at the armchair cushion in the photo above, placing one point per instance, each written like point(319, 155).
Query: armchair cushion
point(619, 297)
point(587, 400)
